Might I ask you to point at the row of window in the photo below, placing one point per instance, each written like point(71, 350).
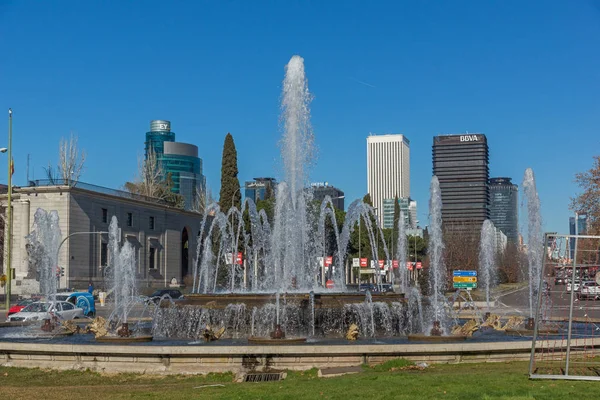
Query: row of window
point(129, 219)
point(104, 256)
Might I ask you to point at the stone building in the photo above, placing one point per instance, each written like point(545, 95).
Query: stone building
point(164, 238)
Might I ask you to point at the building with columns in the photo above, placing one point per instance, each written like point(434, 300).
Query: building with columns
point(164, 237)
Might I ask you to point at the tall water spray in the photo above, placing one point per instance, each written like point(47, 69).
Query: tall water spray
point(487, 258)
point(294, 262)
point(437, 269)
point(535, 242)
point(121, 271)
point(401, 254)
point(43, 245)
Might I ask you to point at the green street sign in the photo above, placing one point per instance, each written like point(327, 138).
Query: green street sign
point(465, 285)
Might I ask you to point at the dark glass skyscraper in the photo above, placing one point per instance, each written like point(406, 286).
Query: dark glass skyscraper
point(460, 163)
point(179, 160)
point(504, 207)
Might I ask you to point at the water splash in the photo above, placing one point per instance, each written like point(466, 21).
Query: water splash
point(437, 269)
point(43, 245)
point(401, 254)
point(487, 258)
point(535, 242)
point(121, 271)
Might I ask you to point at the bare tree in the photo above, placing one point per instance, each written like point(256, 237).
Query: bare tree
point(151, 182)
point(70, 160)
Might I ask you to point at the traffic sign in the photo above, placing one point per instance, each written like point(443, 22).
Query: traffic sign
point(419, 265)
point(464, 273)
point(364, 262)
point(465, 285)
point(464, 279)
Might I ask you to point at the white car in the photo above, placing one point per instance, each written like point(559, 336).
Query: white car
point(589, 290)
point(41, 310)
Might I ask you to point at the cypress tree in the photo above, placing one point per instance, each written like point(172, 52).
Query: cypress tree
point(230, 194)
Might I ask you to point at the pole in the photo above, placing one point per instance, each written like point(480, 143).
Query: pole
point(9, 214)
point(359, 240)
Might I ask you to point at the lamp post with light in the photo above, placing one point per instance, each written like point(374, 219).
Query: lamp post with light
point(8, 230)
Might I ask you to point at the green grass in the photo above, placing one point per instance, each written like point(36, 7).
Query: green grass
point(392, 380)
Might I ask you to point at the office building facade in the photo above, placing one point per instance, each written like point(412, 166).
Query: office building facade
point(259, 188)
point(504, 207)
point(388, 169)
point(577, 226)
point(407, 206)
point(322, 189)
point(180, 161)
point(461, 164)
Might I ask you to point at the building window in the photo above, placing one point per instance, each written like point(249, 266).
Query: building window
point(152, 258)
point(104, 215)
point(129, 219)
point(103, 254)
point(151, 223)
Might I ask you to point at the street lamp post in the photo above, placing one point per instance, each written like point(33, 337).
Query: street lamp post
point(8, 239)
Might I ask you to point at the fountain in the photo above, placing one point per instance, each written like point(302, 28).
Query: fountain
point(438, 319)
point(487, 262)
point(120, 274)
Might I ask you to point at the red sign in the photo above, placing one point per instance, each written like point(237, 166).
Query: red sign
point(328, 261)
point(364, 262)
point(381, 264)
point(419, 265)
point(239, 260)
point(395, 264)
point(329, 284)
point(409, 265)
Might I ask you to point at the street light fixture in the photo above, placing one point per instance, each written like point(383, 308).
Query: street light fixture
point(9, 214)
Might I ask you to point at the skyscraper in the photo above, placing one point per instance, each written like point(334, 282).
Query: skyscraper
point(408, 208)
point(579, 229)
point(388, 169)
point(460, 163)
point(179, 161)
point(504, 207)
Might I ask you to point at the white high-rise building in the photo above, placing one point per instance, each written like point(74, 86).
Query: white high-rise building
point(388, 169)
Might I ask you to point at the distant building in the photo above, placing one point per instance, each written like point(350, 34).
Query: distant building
point(504, 207)
point(258, 188)
point(322, 189)
point(579, 229)
point(388, 169)
point(408, 208)
point(180, 161)
point(460, 163)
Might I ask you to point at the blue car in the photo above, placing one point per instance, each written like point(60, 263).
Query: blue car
point(83, 300)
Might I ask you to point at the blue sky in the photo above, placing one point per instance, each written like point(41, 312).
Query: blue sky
point(524, 73)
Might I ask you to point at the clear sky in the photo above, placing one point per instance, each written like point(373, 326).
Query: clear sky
point(525, 73)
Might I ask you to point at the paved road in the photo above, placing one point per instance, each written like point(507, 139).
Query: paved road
point(557, 306)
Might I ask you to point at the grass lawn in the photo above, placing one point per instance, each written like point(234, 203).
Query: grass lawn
point(393, 380)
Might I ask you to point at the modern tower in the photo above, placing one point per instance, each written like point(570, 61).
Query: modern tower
point(322, 189)
point(179, 161)
point(460, 163)
point(504, 207)
point(258, 188)
point(388, 169)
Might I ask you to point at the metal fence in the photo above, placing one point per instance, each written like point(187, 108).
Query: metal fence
point(566, 337)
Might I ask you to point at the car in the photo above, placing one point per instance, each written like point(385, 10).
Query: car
point(21, 304)
point(589, 290)
point(576, 286)
point(41, 310)
point(173, 294)
point(84, 300)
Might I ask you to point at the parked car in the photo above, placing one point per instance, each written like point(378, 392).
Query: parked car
point(83, 300)
point(41, 310)
point(21, 304)
point(374, 288)
point(577, 285)
point(589, 290)
point(174, 294)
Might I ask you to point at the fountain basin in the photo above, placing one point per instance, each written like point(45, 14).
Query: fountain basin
point(271, 341)
point(420, 337)
point(124, 340)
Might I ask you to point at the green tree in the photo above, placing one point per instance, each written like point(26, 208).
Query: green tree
point(588, 201)
point(230, 194)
